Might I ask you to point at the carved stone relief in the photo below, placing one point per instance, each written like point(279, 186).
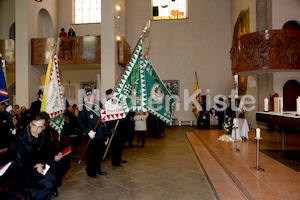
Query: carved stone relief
point(256, 51)
point(289, 50)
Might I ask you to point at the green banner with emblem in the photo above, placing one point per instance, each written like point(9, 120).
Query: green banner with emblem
point(159, 100)
point(131, 90)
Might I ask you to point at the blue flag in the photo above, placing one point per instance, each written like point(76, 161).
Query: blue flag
point(3, 89)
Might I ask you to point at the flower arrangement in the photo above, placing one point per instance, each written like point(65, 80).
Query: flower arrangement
point(227, 126)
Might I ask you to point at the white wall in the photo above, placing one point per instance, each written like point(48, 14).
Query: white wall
point(28, 76)
point(65, 21)
point(200, 43)
point(284, 11)
point(76, 77)
point(7, 17)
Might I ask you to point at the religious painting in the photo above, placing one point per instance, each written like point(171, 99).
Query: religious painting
point(242, 25)
point(90, 85)
point(242, 86)
point(85, 86)
point(172, 86)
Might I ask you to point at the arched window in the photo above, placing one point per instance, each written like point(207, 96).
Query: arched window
point(87, 11)
point(169, 9)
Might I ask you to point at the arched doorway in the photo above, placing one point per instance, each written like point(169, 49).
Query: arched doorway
point(292, 25)
point(291, 90)
point(45, 25)
point(12, 34)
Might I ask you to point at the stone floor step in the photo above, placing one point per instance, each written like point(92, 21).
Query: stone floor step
point(222, 184)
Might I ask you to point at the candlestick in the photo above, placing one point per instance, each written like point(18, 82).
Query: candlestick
point(298, 106)
point(266, 105)
point(258, 133)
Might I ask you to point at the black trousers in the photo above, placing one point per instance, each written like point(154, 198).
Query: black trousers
point(48, 184)
point(94, 154)
point(141, 135)
point(61, 167)
point(117, 147)
point(44, 185)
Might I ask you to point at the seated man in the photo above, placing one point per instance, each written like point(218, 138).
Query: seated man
point(29, 152)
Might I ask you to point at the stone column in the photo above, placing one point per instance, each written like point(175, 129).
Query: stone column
point(263, 15)
point(22, 49)
point(108, 46)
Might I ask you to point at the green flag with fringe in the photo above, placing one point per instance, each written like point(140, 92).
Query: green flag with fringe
point(160, 102)
point(131, 90)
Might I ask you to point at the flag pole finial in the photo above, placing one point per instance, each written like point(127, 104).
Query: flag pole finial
point(146, 29)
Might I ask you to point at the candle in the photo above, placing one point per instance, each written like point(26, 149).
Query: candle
point(266, 105)
point(257, 133)
point(235, 122)
point(298, 106)
point(236, 79)
point(280, 105)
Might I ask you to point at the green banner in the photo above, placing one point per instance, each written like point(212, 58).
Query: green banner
point(131, 90)
point(160, 102)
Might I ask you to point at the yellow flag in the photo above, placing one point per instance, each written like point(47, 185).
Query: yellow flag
point(198, 98)
point(53, 102)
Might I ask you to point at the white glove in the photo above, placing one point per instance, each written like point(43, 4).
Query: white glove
point(9, 108)
point(106, 141)
point(92, 134)
point(14, 132)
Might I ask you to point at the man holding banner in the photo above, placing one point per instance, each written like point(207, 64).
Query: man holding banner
point(89, 115)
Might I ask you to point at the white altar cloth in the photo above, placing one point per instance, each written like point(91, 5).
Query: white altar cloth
point(242, 130)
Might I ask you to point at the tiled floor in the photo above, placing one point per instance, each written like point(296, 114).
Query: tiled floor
point(166, 168)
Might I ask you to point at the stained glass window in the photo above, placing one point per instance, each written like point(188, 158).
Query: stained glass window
point(169, 9)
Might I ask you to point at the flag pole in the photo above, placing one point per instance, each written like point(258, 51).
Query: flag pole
point(200, 98)
point(145, 31)
point(112, 136)
point(87, 144)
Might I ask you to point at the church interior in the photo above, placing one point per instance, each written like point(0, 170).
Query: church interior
point(241, 49)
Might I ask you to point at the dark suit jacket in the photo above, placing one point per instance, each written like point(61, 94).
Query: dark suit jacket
point(26, 152)
point(87, 120)
point(35, 107)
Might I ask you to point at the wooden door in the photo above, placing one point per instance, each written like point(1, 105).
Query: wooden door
point(291, 90)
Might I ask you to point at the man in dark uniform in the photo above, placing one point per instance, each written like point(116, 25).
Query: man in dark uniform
point(230, 111)
point(88, 116)
point(116, 147)
point(29, 152)
point(205, 115)
point(36, 105)
point(6, 126)
point(220, 113)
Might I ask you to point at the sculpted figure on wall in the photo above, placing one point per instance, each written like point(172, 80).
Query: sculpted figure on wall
point(289, 50)
point(256, 51)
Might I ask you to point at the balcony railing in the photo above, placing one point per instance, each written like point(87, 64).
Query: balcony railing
point(70, 50)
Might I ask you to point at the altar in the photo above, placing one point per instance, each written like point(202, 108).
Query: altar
point(287, 120)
